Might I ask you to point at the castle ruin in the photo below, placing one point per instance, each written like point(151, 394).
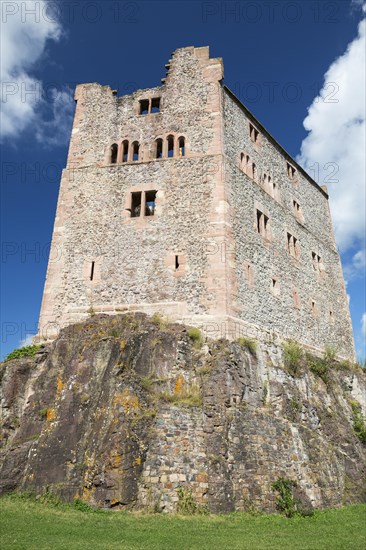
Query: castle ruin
point(176, 200)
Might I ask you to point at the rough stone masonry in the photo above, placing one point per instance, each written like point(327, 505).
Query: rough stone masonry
point(176, 199)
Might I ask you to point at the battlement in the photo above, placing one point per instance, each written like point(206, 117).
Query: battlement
point(175, 199)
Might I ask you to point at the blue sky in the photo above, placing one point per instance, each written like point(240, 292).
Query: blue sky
point(276, 56)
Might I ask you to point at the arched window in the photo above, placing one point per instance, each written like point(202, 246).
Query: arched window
point(159, 148)
point(181, 146)
point(135, 151)
point(113, 153)
point(125, 151)
point(170, 140)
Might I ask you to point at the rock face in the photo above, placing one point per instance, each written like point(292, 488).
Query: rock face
point(121, 411)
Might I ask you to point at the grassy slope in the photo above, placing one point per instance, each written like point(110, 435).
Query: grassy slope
point(30, 525)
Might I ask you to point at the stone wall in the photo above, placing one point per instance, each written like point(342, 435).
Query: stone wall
point(328, 321)
point(134, 258)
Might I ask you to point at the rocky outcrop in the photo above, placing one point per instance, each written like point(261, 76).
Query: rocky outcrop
point(121, 411)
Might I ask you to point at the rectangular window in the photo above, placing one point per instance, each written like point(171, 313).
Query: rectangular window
point(148, 106)
point(275, 287)
point(135, 204)
point(92, 271)
point(314, 308)
point(263, 224)
point(293, 246)
point(144, 106)
point(143, 202)
point(155, 105)
point(291, 171)
point(318, 265)
point(297, 210)
point(176, 262)
point(150, 197)
point(254, 134)
point(248, 273)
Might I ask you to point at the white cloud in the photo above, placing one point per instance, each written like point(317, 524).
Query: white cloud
point(26, 27)
point(356, 267)
point(358, 3)
point(363, 325)
point(57, 128)
point(336, 126)
point(26, 341)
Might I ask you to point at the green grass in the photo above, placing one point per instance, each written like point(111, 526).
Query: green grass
point(26, 351)
point(248, 343)
point(196, 336)
point(28, 525)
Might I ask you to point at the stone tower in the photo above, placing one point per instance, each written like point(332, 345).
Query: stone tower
point(176, 200)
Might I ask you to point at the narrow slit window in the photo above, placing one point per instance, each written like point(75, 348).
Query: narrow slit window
point(135, 204)
point(262, 224)
point(297, 209)
point(170, 140)
point(314, 308)
point(315, 262)
point(125, 151)
point(135, 151)
point(293, 246)
point(150, 198)
point(92, 271)
point(289, 242)
point(275, 287)
point(159, 148)
point(259, 218)
point(144, 107)
point(114, 152)
point(254, 134)
point(248, 273)
point(181, 145)
point(254, 172)
point(176, 262)
point(155, 105)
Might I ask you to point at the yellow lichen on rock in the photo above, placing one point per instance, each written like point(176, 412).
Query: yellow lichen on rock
point(60, 386)
point(116, 460)
point(51, 415)
point(127, 400)
point(179, 384)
